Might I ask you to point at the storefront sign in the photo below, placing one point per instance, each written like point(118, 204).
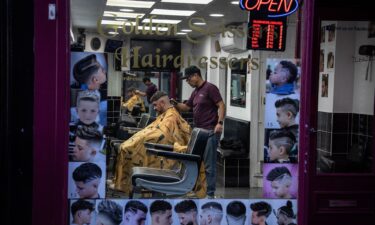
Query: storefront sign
point(272, 8)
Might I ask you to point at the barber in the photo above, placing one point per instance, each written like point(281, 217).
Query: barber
point(208, 113)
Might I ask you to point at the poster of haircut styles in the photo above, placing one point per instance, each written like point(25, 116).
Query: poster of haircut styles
point(88, 73)
point(135, 212)
point(281, 119)
point(235, 211)
point(82, 211)
point(272, 211)
point(110, 211)
point(280, 180)
point(86, 180)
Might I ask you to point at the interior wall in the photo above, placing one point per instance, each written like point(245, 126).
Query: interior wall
point(363, 92)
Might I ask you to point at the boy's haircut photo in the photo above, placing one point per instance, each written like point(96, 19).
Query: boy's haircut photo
point(87, 179)
point(280, 147)
point(135, 213)
point(285, 214)
point(283, 77)
point(87, 145)
point(109, 213)
point(236, 213)
point(280, 180)
point(260, 212)
point(286, 112)
point(161, 212)
point(81, 211)
point(89, 72)
point(211, 213)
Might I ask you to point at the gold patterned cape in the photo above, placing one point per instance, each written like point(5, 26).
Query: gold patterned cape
point(168, 128)
point(134, 100)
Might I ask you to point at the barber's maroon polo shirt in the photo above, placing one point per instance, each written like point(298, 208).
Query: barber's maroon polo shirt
point(203, 100)
point(150, 91)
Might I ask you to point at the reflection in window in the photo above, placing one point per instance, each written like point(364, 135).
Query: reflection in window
point(346, 98)
point(238, 85)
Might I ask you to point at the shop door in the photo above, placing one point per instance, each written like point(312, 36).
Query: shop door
point(339, 174)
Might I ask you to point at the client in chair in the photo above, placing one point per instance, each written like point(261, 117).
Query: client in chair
point(133, 100)
point(168, 128)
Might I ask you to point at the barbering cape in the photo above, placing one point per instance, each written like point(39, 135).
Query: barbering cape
point(134, 100)
point(168, 128)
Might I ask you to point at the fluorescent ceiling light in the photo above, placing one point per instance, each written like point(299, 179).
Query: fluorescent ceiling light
point(127, 10)
point(112, 22)
point(130, 4)
point(234, 2)
point(181, 33)
point(170, 12)
point(122, 14)
point(112, 32)
point(121, 19)
point(153, 28)
point(199, 23)
point(147, 20)
point(202, 2)
point(216, 15)
point(186, 30)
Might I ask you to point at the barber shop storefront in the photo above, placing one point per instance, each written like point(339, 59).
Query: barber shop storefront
point(202, 112)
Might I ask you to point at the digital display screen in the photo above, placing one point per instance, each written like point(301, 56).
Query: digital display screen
point(267, 34)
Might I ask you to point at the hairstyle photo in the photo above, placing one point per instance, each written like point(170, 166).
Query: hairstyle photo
point(324, 86)
point(321, 60)
point(85, 173)
point(330, 60)
point(331, 32)
point(280, 180)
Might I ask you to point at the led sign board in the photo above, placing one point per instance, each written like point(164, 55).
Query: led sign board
point(267, 34)
point(271, 8)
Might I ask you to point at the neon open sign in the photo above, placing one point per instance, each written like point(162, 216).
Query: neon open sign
point(273, 8)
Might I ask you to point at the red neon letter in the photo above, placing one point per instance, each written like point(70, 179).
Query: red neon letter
point(287, 8)
point(252, 7)
point(262, 3)
point(270, 6)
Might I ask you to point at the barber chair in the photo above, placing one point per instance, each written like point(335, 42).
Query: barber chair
point(125, 132)
point(170, 182)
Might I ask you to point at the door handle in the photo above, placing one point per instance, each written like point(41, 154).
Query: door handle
point(313, 130)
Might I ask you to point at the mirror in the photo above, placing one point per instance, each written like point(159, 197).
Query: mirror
point(238, 85)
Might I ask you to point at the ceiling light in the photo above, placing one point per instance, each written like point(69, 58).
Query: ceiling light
point(112, 22)
point(127, 10)
point(186, 30)
point(112, 32)
point(234, 2)
point(172, 12)
point(130, 4)
point(122, 14)
point(152, 28)
point(203, 2)
point(121, 19)
point(199, 23)
point(181, 33)
point(216, 15)
point(147, 20)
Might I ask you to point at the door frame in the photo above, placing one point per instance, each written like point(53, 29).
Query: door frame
point(51, 112)
point(331, 185)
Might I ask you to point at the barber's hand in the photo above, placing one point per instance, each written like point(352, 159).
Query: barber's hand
point(137, 92)
point(218, 128)
point(173, 101)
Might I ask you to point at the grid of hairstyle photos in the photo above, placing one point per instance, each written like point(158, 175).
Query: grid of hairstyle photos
point(88, 117)
point(327, 47)
point(183, 211)
point(281, 122)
